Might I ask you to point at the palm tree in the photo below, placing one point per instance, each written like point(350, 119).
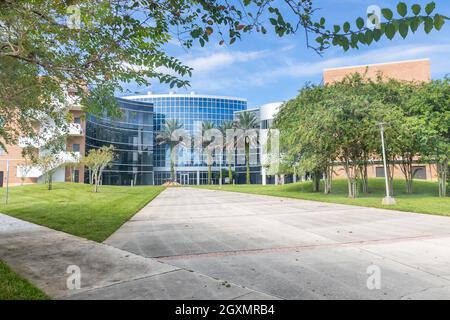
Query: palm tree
point(207, 125)
point(227, 125)
point(165, 137)
point(246, 120)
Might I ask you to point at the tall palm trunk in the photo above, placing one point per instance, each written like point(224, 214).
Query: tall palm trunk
point(230, 170)
point(247, 162)
point(172, 165)
point(209, 169)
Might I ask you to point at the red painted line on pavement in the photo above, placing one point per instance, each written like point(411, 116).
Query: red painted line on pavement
point(294, 248)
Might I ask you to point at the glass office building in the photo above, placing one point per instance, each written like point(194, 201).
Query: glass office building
point(190, 110)
point(132, 138)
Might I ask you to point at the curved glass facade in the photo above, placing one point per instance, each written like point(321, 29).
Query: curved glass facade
point(132, 138)
point(190, 110)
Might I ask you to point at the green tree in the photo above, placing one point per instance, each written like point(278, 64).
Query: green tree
point(390, 113)
point(97, 161)
point(246, 121)
point(48, 47)
point(167, 137)
point(430, 105)
point(48, 165)
point(336, 122)
point(307, 134)
point(49, 157)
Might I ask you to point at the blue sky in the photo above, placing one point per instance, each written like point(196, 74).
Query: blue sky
point(266, 68)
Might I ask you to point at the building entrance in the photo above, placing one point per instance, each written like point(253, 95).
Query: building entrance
point(184, 178)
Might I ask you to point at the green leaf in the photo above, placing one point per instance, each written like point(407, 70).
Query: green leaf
point(403, 29)
point(416, 9)
point(390, 31)
point(345, 43)
point(337, 28)
point(415, 22)
point(362, 38)
point(402, 9)
point(377, 34)
point(369, 37)
point(273, 21)
point(430, 7)
point(360, 23)
point(429, 23)
point(322, 21)
point(387, 13)
point(335, 41)
point(354, 39)
point(232, 40)
point(247, 2)
point(438, 21)
point(346, 27)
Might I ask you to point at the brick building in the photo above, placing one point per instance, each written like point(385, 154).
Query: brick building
point(411, 70)
point(75, 144)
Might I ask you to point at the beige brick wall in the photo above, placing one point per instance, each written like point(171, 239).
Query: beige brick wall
point(14, 155)
point(430, 171)
point(414, 70)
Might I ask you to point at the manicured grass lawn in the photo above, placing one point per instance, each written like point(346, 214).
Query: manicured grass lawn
point(14, 287)
point(74, 208)
point(424, 199)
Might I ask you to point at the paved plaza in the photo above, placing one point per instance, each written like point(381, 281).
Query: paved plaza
point(294, 249)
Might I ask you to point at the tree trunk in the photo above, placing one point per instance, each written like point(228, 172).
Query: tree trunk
point(364, 178)
point(442, 169)
point(95, 180)
point(50, 180)
point(328, 179)
point(230, 174)
point(91, 179)
point(351, 172)
point(406, 168)
point(316, 181)
point(172, 166)
point(390, 176)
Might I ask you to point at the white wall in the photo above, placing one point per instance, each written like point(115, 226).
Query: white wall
point(58, 176)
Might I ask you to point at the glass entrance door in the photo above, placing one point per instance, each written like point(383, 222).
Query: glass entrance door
point(184, 178)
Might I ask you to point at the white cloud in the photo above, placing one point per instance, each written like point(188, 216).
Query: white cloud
point(219, 59)
point(223, 71)
point(296, 69)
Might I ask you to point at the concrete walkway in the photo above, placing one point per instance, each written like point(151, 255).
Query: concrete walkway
point(294, 249)
point(43, 256)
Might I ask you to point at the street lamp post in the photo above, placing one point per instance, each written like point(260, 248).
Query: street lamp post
point(387, 200)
